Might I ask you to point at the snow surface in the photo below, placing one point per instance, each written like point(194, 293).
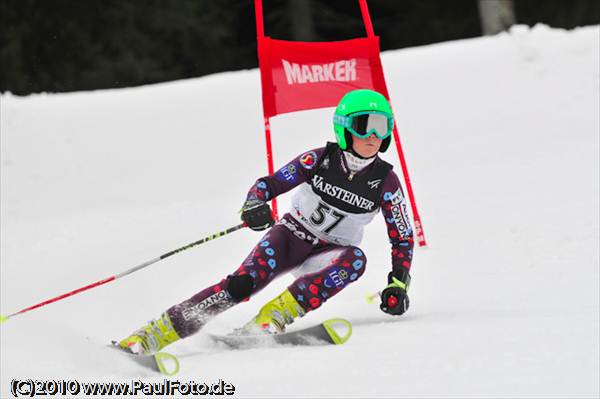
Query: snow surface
point(501, 136)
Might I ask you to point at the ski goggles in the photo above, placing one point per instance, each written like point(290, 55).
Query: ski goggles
point(364, 124)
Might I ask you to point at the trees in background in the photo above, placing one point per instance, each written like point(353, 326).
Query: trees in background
point(496, 15)
point(67, 45)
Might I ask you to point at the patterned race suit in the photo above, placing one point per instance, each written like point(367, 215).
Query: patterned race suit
point(317, 241)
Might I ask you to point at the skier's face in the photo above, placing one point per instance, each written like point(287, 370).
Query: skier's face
point(366, 147)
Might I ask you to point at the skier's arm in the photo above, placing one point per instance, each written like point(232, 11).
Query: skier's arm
point(292, 174)
point(256, 213)
point(394, 298)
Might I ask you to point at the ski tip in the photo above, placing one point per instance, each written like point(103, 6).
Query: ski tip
point(3, 319)
point(162, 362)
point(339, 330)
point(167, 363)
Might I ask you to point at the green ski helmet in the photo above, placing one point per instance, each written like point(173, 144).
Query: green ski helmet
point(352, 118)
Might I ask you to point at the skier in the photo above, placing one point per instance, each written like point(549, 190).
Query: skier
point(340, 189)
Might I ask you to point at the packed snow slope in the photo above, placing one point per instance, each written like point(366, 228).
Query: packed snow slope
point(501, 136)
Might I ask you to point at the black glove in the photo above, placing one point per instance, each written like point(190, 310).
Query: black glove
point(257, 215)
point(394, 299)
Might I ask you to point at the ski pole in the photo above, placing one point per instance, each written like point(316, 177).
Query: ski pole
point(125, 273)
point(370, 298)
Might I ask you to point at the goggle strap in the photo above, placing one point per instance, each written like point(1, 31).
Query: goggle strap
point(342, 120)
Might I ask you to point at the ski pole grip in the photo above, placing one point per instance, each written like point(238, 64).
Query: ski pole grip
point(392, 301)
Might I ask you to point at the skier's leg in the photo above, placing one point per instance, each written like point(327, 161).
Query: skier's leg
point(283, 309)
point(277, 252)
point(344, 265)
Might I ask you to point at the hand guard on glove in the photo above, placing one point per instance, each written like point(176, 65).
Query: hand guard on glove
point(394, 299)
point(257, 215)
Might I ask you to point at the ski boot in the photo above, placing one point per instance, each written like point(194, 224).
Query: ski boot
point(275, 315)
point(151, 338)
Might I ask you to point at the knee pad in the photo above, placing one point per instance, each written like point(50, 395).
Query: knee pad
point(240, 286)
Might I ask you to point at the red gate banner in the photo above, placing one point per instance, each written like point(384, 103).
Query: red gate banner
point(305, 75)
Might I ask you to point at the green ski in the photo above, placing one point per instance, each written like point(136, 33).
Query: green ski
point(329, 332)
point(161, 362)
